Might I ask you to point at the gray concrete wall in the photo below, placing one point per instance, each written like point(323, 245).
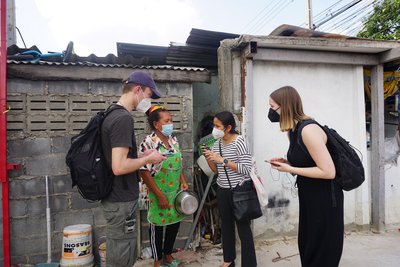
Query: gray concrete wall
point(43, 117)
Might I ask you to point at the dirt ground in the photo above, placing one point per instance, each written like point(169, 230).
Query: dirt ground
point(364, 249)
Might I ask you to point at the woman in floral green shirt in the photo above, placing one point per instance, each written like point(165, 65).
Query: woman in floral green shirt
point(164, 181)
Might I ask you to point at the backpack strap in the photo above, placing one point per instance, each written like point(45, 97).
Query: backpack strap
point(301, 144)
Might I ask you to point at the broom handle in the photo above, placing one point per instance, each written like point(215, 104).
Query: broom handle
point(48, 221)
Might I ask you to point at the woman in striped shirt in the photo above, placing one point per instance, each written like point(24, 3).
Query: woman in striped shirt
point(236, 158)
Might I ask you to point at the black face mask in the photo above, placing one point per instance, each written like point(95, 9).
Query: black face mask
point(273, 116)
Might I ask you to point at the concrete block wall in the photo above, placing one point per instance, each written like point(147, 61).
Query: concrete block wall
point(40, 126)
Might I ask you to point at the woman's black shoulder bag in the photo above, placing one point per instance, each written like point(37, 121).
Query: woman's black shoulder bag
point(246, 206)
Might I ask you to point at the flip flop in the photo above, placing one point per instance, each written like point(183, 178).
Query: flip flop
point(174, 263)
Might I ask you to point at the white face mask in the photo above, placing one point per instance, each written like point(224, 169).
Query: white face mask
point(144, 104)
point(217, 133)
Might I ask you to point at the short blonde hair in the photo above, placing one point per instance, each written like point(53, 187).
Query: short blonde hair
point(291, 107)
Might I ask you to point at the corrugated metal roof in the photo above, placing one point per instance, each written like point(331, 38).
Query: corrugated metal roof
point(149, 54)
point(200, 37)
point(91, 64)
point(200, 50)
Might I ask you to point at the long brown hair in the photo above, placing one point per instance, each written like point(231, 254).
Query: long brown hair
point(291, 107)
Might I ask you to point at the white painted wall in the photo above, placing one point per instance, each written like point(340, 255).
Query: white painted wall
point(392, 187)
point(333, 95)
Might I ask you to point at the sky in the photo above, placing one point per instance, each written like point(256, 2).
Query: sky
point(95, 26)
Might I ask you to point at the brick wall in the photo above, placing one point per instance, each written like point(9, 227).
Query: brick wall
point(43, 117)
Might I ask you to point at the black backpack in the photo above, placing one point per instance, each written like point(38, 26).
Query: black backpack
point(85, 159)
point(349, 168)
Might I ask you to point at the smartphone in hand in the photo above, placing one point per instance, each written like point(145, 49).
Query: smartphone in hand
point(204, 147)
point(272, 163)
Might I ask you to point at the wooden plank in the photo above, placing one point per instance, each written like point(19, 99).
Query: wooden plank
point(87, 73)
point(308, 56)
point(378, 149)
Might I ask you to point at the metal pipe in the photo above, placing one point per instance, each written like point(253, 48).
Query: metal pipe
point(3, 133)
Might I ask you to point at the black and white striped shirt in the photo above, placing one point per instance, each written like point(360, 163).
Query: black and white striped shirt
point(238, 152)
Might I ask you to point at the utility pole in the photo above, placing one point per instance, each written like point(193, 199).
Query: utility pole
point(11, 33)
point(309, 18)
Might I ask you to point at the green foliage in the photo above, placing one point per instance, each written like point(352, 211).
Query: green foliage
point(384, 22)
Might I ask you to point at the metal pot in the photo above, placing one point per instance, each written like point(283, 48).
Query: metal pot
point(186, 203)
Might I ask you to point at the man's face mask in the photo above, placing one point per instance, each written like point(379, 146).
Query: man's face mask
point(273, 116)
point(144, 104)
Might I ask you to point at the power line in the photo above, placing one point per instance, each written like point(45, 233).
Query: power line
point(257, 22)
point(359, 13)
point(340, 11)
point(254, 18)
point(316, 17)
point(273, 16)
point(266, 15)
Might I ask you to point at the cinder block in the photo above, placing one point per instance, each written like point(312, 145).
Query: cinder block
point(105, 88)
point(58, 203)
point(185, 140)
point(40, 258)
point(18, 208)
point(181, 89)
point(60, 184)
point(26, 188)
point(28, 147)
point(79, 203)
point(63, 87)
point(56, 242)
point(162, 87)
point(29, 245)
point(52, 164)
point(36, 206)
point(60, 144)
point(25, 86)
point(20, 259)
point(27, 227)
point(63, 219)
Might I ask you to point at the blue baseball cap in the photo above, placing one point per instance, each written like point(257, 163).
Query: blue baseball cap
point(143, 78)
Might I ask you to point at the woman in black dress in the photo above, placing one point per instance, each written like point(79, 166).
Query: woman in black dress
point(321, 227)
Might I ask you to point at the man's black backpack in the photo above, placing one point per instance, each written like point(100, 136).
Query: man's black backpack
point(86, 161)
point(349, 168)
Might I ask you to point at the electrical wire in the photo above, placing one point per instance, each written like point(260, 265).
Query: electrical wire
point(254, 18)
point(349, 20)
point(260, 20)
point(273, 16)
point(316, 17)
point(339, 12)
point(20, 35)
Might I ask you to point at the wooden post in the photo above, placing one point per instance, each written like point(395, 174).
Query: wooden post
point(378, 149)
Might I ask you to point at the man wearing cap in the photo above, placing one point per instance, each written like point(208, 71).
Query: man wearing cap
point(119, 146)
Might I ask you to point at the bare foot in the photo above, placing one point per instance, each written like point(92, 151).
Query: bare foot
point(226, 264)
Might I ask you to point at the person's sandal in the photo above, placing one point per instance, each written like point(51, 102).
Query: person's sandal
point(231, 265)
point(174, 263)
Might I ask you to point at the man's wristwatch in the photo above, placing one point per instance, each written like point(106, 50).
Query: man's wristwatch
point(224, 162)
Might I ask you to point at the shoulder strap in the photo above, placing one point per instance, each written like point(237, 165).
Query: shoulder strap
point(226, 172)
point(300, 129)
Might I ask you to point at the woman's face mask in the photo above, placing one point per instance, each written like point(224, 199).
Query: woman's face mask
point(273, 115)
point(217, 133)
point(167, 129)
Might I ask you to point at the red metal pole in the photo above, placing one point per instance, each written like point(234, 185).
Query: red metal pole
point(3, 134)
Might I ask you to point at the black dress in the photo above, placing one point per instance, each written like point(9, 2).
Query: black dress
point(321, 227)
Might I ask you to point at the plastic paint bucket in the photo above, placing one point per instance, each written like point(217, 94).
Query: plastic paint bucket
point(77, 246)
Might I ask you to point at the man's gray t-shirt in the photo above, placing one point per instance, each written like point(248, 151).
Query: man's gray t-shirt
point(118, 131)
